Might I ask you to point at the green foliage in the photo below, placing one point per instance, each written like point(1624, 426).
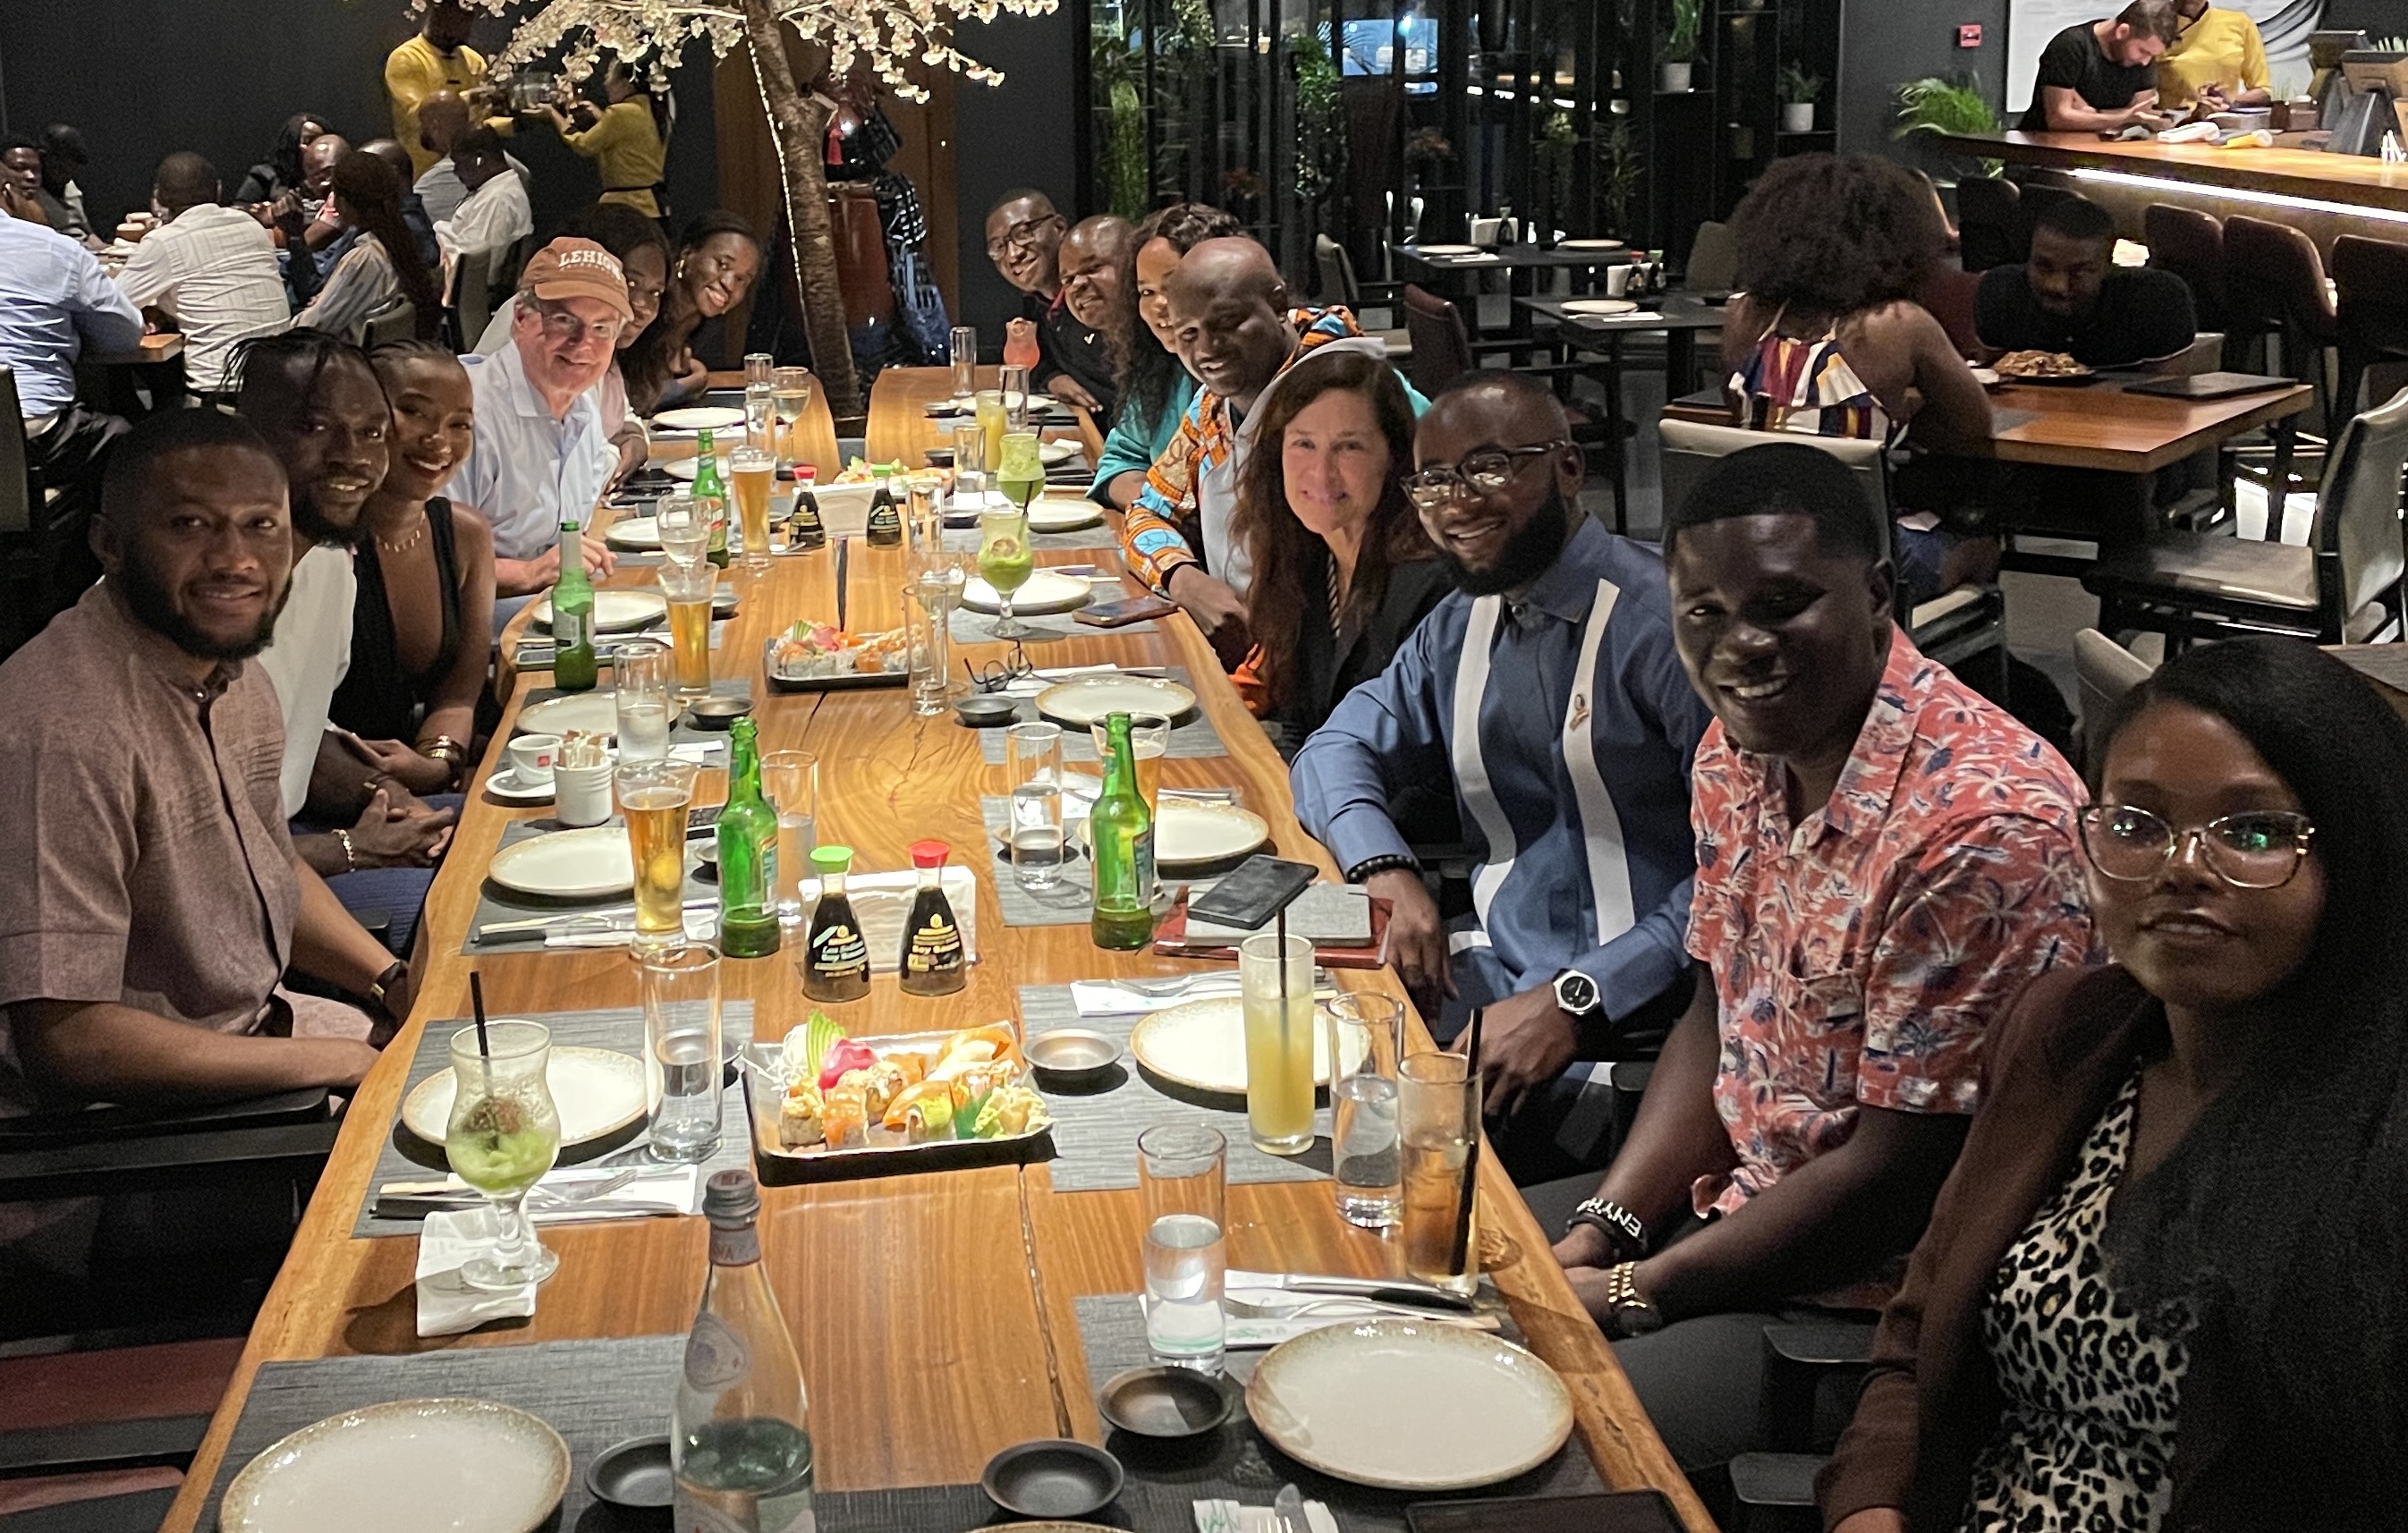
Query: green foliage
point(1617, 178)
point(1320, 120)
point(1120, 127)
point(1798, 87)
point(1940, 106)
point(1681, 39)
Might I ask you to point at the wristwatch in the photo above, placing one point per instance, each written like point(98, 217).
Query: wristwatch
point(1627, 1311)
point(1577, 995)
point(393, 974)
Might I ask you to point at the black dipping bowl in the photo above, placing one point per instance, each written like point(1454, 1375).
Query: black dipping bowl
point(986, 711)
point(717, 713)
point(1051, 1478)
point(633, 1474)
point(1164, 1402)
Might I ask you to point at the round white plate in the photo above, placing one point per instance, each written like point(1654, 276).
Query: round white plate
point(1989, 378)
point(1202, 1045)
point(1448, 249)
point(596, 1092)
point(1407, 1405)
point(1054, 452)
point(595, 712)
point(640, 532)
point(590, 864)
point(1080, 701)
point(1188, 832)
point(685, 469)
point(506, 786)
point(1600, 305)
point(469, 1466)
point(614, 611)
point(1045, 592)
point(700, 418)
point(1588, 244)
point(1062, 514)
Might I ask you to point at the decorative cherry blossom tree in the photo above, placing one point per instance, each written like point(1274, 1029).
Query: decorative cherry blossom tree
point(651, 36)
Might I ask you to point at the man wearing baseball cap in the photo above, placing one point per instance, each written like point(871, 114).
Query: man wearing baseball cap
point(541, 456)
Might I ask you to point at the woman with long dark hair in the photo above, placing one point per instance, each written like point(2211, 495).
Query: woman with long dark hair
point(383, 265)
point(282, 170)
point(1343, 571)
point(2167, 1284)
point(718, 260)
point(1154, 390)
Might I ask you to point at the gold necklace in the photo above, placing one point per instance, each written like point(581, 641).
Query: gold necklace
point(408, 543)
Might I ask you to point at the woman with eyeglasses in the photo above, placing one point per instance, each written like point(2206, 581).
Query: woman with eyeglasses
point(1154, 390)
point(2167, 1284)
point(718, 260)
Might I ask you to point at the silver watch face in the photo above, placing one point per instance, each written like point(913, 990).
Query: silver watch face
point(1575, 991)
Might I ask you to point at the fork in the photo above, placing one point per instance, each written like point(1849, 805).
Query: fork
point(587, 1193)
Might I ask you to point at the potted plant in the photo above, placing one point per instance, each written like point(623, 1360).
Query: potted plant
point(1943, 108)
point(1798, 90)
point(1680, 46)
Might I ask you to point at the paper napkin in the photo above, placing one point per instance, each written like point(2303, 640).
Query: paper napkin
point(447, 1306)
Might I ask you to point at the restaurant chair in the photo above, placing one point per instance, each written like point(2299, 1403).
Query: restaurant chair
point(1443, 351)
point(395, 321)
point(1712, 266)
point(1947, 295)
point(1774, 1492)
point(2371, 311)
point(2345, 586)
point(1338, 286)
point(2104, 672)
point(2274, 283)
point(1986, 223)
point(2190, 244)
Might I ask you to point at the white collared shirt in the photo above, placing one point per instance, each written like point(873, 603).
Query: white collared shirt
point(493, 218)
point(308, 657)
point(213, 270)
point(528, 471)
point(441, 194)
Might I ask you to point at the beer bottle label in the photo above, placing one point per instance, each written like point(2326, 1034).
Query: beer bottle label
point(567, 629)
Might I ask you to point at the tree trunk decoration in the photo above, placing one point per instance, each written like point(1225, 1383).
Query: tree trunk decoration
point(796, 125)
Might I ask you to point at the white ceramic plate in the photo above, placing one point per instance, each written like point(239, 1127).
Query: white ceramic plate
point(1054, 452)
point(506, 786)
point(1588, 244)
point(700, 418)
point(468, 1465)
point(596, 712)
point(596, 1092)
point(1188, 832)
point(590, 864)
point(614, 611)
point(1448, 249)
point(1600, 305)
point(1045, 592)
point(1062, 514)
point(1080, 701)
point(685, 469)
point(1987, 377)
point(1202, 1044)
point(1406, 1405)
point(640, 532)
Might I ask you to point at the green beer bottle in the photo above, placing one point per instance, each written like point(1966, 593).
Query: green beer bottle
point(573, 666)
point(713, 495)
point(748, 854)
point(1120, 838)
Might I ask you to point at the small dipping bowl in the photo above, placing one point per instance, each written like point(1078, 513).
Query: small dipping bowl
point(633, 1474)
point(1051, 1478)
point(986, 711)
point(723, 601)
point(1073, 1057)
point(1164, 1402)
point(717, 713)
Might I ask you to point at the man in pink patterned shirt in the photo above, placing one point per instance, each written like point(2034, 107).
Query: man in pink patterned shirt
point(1884, 858)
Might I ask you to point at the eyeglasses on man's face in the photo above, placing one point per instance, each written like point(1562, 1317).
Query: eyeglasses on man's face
point(1481, 473)
point(1020, 236)
point(564, 326)
point(2255, 849)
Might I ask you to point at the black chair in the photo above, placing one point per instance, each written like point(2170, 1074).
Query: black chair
point(2190, 244)
point(2371, 311)
point(1338, 286)
point(2274, 284)
point(1986, 228)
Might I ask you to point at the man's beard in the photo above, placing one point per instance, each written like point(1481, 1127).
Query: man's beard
point(1530, 553)
point(312, 525)
point(152, 607)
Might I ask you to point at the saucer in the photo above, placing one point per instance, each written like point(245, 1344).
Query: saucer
point(506, 786)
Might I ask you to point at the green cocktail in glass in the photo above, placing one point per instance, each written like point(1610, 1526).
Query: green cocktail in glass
point(1005, 562)
point(1022, 472)
point(502, 1136)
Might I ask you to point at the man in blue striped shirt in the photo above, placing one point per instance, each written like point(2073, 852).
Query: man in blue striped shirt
point(1548, 690)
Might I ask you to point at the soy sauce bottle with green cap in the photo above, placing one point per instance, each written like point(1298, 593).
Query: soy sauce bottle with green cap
point(836, 956)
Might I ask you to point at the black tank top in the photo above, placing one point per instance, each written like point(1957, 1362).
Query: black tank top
point(378, 698)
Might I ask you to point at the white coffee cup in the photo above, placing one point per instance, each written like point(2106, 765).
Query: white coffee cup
point(1617, 279)
point(581, 796)
point(532, 758)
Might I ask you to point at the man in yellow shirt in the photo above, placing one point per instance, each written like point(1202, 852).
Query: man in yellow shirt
point(438, 59)
point(2218, 62)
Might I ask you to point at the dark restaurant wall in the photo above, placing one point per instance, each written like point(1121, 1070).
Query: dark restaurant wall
point(1885, 43)
point(1020, 134)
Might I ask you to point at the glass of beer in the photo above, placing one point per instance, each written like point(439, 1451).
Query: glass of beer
point(688, 589)
point(1149, 742)
point(755, 473)
point(1438, 1118)
point(653, 797)
point(993, 421)
point(1275, 984)
point(790, 392)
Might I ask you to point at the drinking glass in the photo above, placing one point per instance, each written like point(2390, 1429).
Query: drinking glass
point(1182, 1179)
point(1005, 562)
point(755, 473)
point(684, 528)
point(641, 672)
point(1149, 742)
point(679, 988)
point(759, 367)
point(790, 394)
point(1033, 769)
point(1275, 985)
point(965, 363)
point(653, 797)
point(761, 416)
point(1015, 398)
point(790, 781)
point(970, 465)
point(1020, 473)
point(1367, 1033)
point(992, 420)
point(1438, 1115)
point(502, 1135)
point(688, 588)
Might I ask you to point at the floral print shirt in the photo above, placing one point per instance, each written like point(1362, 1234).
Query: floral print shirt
point(1861, 954)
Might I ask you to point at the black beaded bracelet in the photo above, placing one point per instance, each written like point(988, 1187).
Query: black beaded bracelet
point(1371, 866)
point(1622, 1228)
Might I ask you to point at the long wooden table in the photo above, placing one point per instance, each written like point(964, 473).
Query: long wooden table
point(901, 427)
point(934, 1314)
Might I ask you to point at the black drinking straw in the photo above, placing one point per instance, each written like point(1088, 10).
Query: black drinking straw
point(477, 999)
point(1472, 1155)
point(840, 552)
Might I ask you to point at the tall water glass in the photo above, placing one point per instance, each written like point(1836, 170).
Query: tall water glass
point(1438, 1116)
point(654, 797)
point(1015, 398)
point(679, 989)
point(502, 1135)
point(684, 528)
point(759, 367)
point(790, 781)
point(1275, 986)
point(689, 590)
point(1183, 1180)
point(1033, 770)
point(965, 363)
point(790, 393)
point(1367, 1033)
point(754, 471)
point(924, 648)
point(761, 416)
point(969, 465)
point(642, 679)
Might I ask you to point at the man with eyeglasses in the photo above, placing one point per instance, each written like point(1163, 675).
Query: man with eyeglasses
point(1024, 238)
point(1547, 688)
point(540, 456)
point(1884, 859)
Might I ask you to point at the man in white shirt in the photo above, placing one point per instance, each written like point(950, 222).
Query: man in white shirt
point(207, 270)
point(540, 456)
point(494, 217)
point(443, 120)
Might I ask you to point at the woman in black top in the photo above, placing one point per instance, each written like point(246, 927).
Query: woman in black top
point(1343, 571)
point(282, 171)
point(426, 570)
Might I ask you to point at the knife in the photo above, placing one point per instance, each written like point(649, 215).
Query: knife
point(1382, 1290)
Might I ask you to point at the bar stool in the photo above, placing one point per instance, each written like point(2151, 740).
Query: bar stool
point(2190, 244)
point(2372, 277)
point(2274, 281)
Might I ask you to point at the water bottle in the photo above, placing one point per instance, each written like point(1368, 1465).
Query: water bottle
point(740, 1437)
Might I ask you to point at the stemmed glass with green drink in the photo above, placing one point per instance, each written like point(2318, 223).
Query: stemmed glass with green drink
point(1004, 558)
point(502, 1135)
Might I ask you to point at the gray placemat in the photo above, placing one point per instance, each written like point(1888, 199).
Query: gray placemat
point(969, 627)
point(1189, 741)
point(496, 903)
point(1100, 536)
point(1094, 1132)
point(536, 654)
point(681, 731)
point(618, 1028)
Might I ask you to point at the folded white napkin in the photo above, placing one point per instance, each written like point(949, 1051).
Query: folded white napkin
point(616, 931)
point(698, 752)
point(447, 1306)
point(1229, 1517)
point(1314, 1313)
point(654, 1191)
point(1103, 998)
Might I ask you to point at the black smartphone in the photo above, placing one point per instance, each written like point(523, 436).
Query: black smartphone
point(1261, 888)
point(1120, 614)
point(698, 821)
point(1615, 1512)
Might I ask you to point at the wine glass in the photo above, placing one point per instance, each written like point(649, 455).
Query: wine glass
point(504, 1134)
point(1005, 562)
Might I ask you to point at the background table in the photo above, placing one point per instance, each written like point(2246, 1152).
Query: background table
point(936, 1314)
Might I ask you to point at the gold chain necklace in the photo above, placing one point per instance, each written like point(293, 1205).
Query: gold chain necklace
point(408, 543)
